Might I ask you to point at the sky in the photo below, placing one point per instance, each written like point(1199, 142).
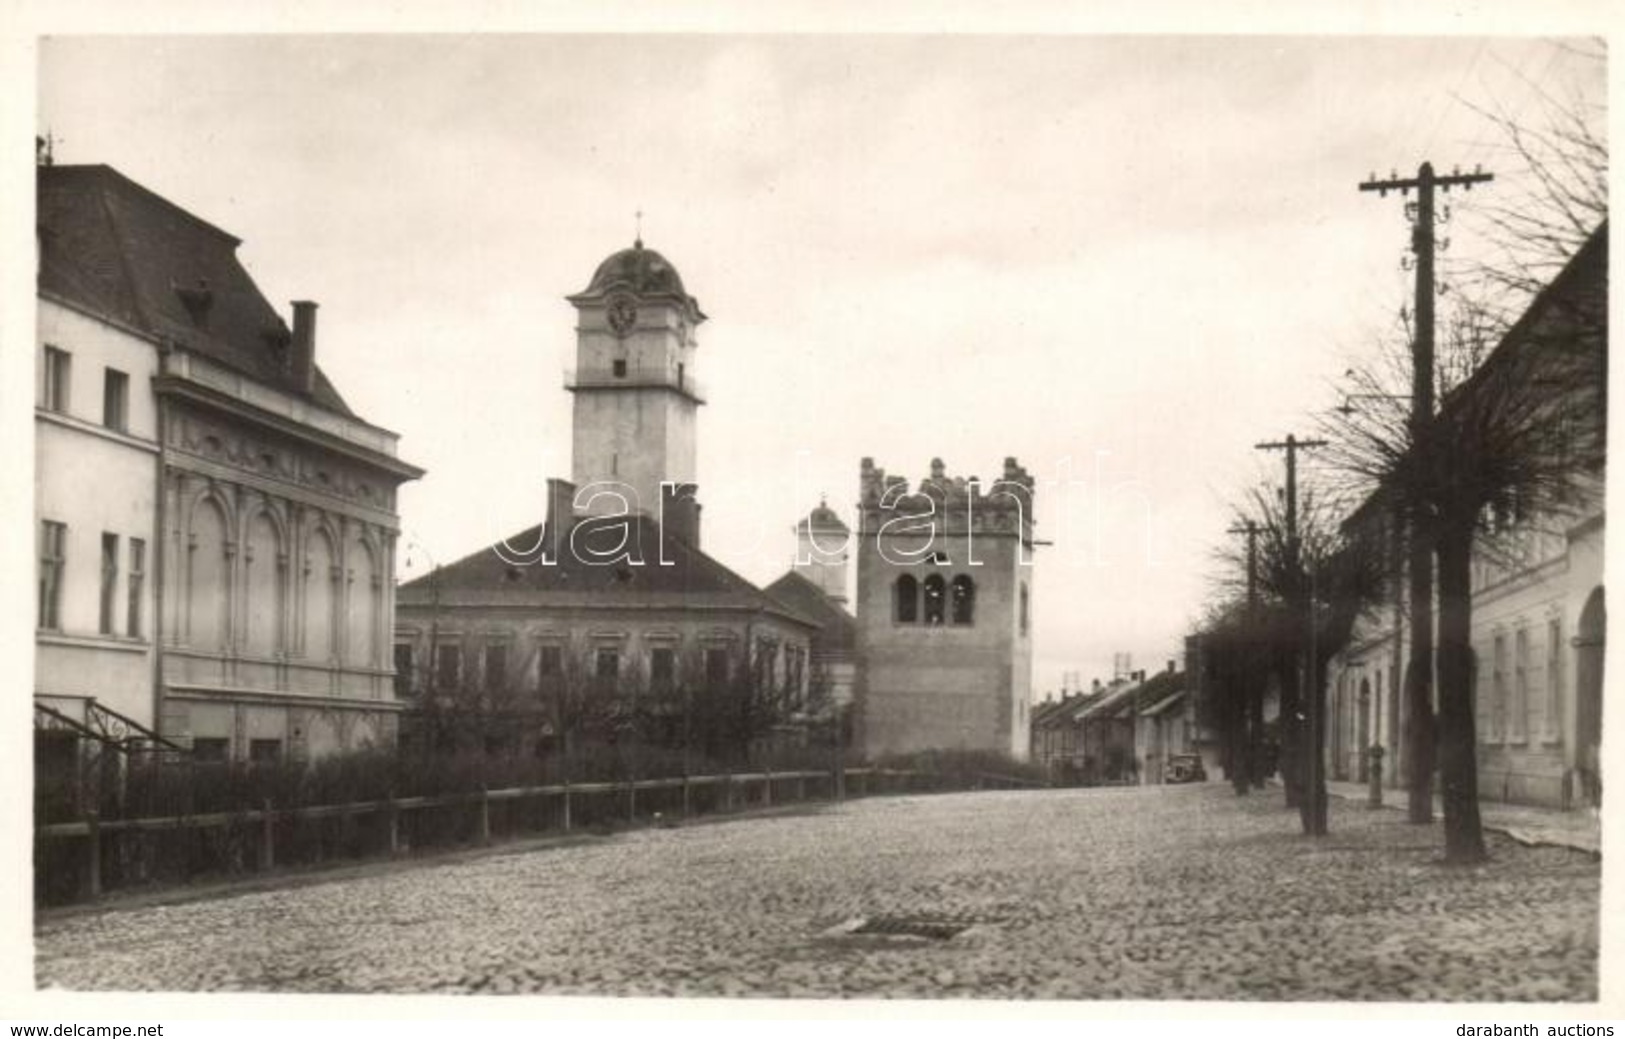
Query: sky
point(1123, 260)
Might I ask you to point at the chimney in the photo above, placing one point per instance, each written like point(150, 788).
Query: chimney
point(1170, 665)
point(680, 512)
point(302, 362)
point(561, 496)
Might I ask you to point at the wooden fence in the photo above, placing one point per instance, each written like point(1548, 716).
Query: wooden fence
point(79, 860)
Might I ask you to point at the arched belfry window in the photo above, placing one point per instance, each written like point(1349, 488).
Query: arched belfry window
point(936, 595)
point(906, 594)
point(964, 600)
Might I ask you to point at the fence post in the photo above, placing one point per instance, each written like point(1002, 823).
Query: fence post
point(566, 806)
point(686, 808)
point(727, 792)
point(767, 786)
point(267, 836)
point(482, 819)
point(392, 815)
point(93, 851)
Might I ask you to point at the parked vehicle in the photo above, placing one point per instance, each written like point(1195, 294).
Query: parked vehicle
point(1184, 768)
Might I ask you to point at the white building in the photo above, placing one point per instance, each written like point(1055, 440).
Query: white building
point(216, 528)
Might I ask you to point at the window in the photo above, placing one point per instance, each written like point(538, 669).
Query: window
point(662, 667)
point(620, 369)
point(1024, 609)
point(57, 370)
point(53, 545)
point(607, 664)
point(680, 375)
point(449, 667)
point(264, 752)
point(716, 667)
point(1552, 718)
point(115, 400)
point(964, 600)
point(1498, 691)
point(109, 582)
point(137, 579)
point(210, 749)
point(496, 665)
point(550, 661)
point(936, 595)
point(403, 669)
point(1520, 686)
point(907, 595)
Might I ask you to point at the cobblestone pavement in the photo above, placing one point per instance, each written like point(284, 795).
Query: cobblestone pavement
point(1123, 893)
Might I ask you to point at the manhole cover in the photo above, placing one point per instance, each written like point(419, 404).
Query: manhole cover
point(933, 928)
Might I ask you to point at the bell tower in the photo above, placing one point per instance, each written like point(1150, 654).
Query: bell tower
point(636, 398)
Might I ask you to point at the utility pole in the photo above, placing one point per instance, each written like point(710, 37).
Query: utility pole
point(1419, 674)
point(1314, 781)
point(1253, 720)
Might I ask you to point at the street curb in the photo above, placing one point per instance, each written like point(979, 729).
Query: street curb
point(1528, 838)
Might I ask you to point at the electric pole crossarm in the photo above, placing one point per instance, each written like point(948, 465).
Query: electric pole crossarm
point(1425, 178)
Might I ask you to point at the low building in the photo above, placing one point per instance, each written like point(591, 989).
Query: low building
point(1538, 608)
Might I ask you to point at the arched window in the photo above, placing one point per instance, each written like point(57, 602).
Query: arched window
point(907, 599)
point(964, 608)
point(936, 595)
point(319, 599)
point(264, 586)
point(209, 579)
point(362, 604)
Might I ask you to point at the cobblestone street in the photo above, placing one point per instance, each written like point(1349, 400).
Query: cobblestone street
point(1123, 893)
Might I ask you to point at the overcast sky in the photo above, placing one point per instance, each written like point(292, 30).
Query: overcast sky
point(1123, 260)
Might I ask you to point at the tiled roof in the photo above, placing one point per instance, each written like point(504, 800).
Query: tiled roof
point(114, 248)
point(693, 580)
point(838, 629)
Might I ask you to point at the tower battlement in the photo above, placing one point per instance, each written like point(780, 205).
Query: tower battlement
point(954, 504)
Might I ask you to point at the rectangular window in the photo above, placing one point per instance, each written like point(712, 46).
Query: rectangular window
point(1552, 718)
point(56, 371)
point(496, 665)
point(550, 662)
point(264, 752)
point(403, 670)
point(1520, 686)
point(449, 667)
point(210, 749)
point(116, 400)
point(620, 369)
point(137, 582)
point(53, 546)
point(662, 667)
point(716, 667)
point(109, 582)
point(607, 664)
point(1498, 691)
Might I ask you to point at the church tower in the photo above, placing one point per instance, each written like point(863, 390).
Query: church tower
point(823, 550)
point(636, 399)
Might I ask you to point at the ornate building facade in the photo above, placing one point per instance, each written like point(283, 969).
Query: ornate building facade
point(249, 570)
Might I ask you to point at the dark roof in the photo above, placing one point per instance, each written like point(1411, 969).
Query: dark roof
point(822, 518)
point(838, 629)
point(641, 271)
point(693, 580)
point(114, 248)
